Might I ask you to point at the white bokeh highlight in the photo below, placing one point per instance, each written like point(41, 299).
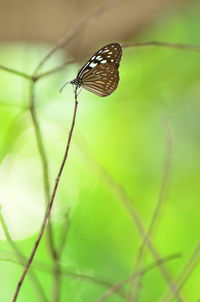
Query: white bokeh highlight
point(21, 196)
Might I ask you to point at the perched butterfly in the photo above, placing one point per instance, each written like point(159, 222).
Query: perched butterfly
point(100, 73)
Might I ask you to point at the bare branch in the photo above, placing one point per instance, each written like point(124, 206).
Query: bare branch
point(54, 70)
point(16, 72)
point(48, 211)
point(163, 44)
point(45, 169)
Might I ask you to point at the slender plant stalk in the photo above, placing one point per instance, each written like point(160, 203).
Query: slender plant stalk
point(163, 194)
point(56, 290)
point(54, 70)
point(49, 205)
point(148, 268)
point(58, 270)
point(20, 257)
point(16, 72)
point(55, 296)
point(163, 44)
point(45, 170)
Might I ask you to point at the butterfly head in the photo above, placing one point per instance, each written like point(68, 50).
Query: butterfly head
point(77, 82)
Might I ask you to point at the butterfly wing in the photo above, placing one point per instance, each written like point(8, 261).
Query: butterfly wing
point(102, 79)
point(110, 53)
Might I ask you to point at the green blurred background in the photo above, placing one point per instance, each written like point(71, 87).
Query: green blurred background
point(140, 144)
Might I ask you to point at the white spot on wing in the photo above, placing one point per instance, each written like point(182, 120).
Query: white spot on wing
point(99, 58)
point(92, 64)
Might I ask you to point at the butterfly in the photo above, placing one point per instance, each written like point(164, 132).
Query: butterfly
point(100, 73)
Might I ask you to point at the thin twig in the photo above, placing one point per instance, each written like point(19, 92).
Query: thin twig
point(16, 72)
point(163, 194)
point(163, 44)
point(55, 297)
point(74, 32)
point(20, 257)
point(54, 70)
point(49, 205)
point(45, 170)
point(148, 268)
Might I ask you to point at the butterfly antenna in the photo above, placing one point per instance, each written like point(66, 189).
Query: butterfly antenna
point(61, 89)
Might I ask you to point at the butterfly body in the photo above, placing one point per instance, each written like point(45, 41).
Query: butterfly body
point(77, 82)
point(100, 73)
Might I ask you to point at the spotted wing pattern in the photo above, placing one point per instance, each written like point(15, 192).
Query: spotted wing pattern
point(110, 53)
point(100, 73)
